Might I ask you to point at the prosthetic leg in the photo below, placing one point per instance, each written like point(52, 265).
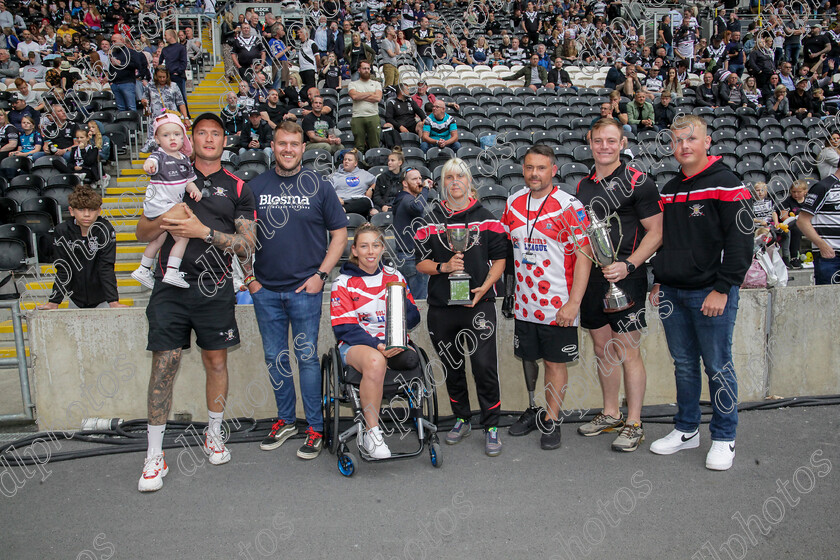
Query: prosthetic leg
point(527, 423)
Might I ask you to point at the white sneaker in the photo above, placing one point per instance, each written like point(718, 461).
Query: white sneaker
point(214, 447)
point(721, 455)
point(153, 472)
point(144, 276)
point(175, 277)
point(372, 443)
point(676, 441)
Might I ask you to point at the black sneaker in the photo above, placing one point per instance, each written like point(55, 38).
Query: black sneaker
point(280, 432)
point(550, 438)
point(795, 264)
point(526, 423)
point(311, 448)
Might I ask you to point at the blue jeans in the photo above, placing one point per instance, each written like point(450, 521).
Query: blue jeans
point(418, 283)
point(455, 146)
point(692, 336)
point(736, 69)
point(274, 311)
point(792, 53)
point(125, 96)
point(826, 271)
point(426, 63)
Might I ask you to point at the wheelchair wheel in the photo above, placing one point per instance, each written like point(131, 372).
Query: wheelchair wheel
point(435, 454)
point(430, 402)
point(347, 463)
point(335, 400)
point(326, 370)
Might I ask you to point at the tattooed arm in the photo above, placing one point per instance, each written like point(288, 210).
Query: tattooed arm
point(241, 243)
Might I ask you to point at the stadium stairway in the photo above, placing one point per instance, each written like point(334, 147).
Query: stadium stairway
point(209, 95)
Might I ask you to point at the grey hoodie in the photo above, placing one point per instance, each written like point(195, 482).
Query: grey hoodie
point(351, 184)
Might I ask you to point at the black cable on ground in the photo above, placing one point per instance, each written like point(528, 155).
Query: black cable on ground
point(130, 436)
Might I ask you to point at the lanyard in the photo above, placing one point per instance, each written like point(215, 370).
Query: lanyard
point(529, 229)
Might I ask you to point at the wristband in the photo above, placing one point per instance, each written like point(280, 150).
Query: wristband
point(249, 279)
point(438, 268)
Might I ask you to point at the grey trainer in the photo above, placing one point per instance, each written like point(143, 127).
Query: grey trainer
point(492, 444)
point(459, 431)
point(602, 423)
point(629, 438)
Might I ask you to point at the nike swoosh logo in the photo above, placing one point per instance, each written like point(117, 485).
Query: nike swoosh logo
point(688, 438)
point(731, 448)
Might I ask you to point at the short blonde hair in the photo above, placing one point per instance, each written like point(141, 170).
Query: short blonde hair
point(689, 121)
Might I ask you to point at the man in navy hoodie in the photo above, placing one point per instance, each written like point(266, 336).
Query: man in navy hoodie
point(409, 206)
point(707, 243)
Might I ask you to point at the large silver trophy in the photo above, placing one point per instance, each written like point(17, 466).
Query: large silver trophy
point(396, 334)
point(604, 255)
point(459, 239)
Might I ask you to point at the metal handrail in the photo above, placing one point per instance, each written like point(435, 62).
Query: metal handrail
point(18, 361)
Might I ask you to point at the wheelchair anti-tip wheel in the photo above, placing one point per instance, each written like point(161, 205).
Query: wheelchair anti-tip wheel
point(435, 455)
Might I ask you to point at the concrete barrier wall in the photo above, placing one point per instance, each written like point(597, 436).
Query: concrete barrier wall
point(93, 362)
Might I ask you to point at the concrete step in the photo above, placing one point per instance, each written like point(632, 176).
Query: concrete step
point(123, 266)
point(30, 305)
point(6, 327)
point(123, 284)
point(10, 352)
point(122, 210)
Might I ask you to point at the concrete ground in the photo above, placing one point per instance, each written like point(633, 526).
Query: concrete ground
point(582, 501)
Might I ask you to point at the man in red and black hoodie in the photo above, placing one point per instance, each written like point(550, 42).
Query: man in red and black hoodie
point(707, 244)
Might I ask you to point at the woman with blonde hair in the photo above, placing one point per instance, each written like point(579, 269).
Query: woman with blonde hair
point(462, 319)
point(229, 29)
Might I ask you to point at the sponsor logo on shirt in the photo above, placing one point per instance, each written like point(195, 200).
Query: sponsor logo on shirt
point(531, 244)
point(287, 200)
point(352, 181)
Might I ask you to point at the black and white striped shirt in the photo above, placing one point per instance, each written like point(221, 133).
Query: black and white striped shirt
point(823, 202)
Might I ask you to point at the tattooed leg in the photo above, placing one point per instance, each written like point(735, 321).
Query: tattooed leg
point(164, 367)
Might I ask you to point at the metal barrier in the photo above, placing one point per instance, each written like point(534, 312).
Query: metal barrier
point(20, 363)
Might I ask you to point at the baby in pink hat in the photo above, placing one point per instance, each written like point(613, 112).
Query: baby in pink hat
point(171, 175)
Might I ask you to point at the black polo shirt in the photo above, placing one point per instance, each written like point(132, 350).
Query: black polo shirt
point(629, 194)
point(225, 198)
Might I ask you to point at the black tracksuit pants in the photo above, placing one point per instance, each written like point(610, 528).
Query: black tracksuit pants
point(458, 332)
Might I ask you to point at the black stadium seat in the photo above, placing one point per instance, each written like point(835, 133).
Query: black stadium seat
point(17, 247)
point(8, 208)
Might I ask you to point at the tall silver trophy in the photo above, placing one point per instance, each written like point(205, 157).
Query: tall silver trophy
point(460, 239)
point(604, 255)
point(396, 334)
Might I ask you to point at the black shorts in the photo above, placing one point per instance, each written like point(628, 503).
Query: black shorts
point(592, 315)
point(173, 312)
point(533, 341)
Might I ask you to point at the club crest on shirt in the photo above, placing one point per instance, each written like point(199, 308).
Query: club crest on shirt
point(219, 191)
point(696, 210)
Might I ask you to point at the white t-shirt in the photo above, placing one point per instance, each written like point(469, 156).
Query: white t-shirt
point(306, 55)
point(25, 49)
point(365, 108)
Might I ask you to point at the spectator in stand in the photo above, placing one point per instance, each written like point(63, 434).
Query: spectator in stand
point(829, 157)
point(664, 112)
point(26, 46)
point(354, 186)
point(103, 145)
point(403, 114)
point(736, 57)
point(607, 113)
point(801, 102)
point(94, 283)
point(615, 77)
point(9, 69)
point(247, 48)
point(818, 220)
point(232, 115)
point(410, 204)
point(309, 58)
point(760, 62)
point(366, 95)
point(558, 77)
point(389, 182)
point(126, 64)
point(389, 51)
point(256, 134)
point(814, 45)
point(318, 127)
point(30, 142)
point(789, 210)
point(769, 90)
point(535, 75)
point(423, 41)
point(331, 73)
point(779, 107)
point(753, 93)
point(731, 93)
point(439, 129)
point(160, 97)
point(58, 132)
point(279, 56)
point(175, 59)
point(228, 32)
point(193, 46)
point(21, 109)
point(84, 157)
point(672, 84)
point(515, 54)
point(8, 140)
point(640, 113)
point(357, 53)
point(273, 112)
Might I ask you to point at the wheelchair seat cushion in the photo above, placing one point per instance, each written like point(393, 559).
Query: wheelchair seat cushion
point(393, 378)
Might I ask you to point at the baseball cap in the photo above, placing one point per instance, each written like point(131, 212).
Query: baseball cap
point(210, 117)
point(253, 112)
point(15, 98)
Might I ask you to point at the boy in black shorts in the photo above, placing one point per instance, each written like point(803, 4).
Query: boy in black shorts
point(614, 188)
point(546, 228)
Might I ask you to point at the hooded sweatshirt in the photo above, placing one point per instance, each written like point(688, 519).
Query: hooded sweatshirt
point(84, 266)
point(388, 185)
point(707, 237)
point(351, 184)
point(358, 305)
point(407, 211)
point(492, 245)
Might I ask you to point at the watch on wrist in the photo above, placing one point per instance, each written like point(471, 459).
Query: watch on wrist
point(322, 275)
point(630, 267)
point(209, 237)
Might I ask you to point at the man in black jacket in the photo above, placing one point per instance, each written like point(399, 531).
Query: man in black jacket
point(125, 64)
point(557, 77)
point(707, 244)
point(403, 114)
point(86, 249)
point(256, 134)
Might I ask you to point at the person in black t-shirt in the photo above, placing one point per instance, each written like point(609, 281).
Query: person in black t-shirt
point(317, 128)
point(614, 188)
point(220, 225)
point(272, 111)
point(256, 134)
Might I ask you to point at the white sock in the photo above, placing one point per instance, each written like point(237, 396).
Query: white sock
point(174, 262)
point(214, 426)
point(155, 435)
point(147, 262)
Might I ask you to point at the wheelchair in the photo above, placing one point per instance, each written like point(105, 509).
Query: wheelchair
point(409, 405)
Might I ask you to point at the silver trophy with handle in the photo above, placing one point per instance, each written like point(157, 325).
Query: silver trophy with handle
point(459, 238)
point(604, 255)
point(396, 334)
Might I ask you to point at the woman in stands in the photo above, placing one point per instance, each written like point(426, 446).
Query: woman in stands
point(103, 144)
point(30, 141)
point(672, 84)
point(160, 96)
point(829, 159)
point(357, 311)
point(354, 186)
point(8, 140)
point(752, 92)
point(229, 31)
point(466, 329)
point(389, 182)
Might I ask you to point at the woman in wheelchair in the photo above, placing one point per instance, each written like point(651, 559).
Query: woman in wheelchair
point(357, 309)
